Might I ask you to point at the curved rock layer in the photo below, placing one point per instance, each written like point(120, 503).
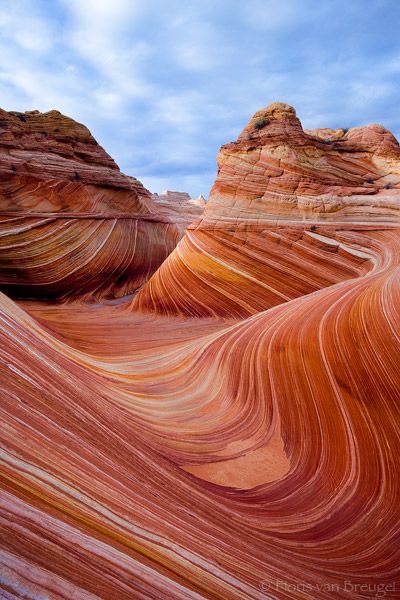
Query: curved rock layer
point(85, 258)
point(150, 456)
point(282, 219)
point(247, 454)
point(71, 224)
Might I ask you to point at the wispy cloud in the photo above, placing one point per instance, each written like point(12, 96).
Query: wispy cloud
point(163, 84)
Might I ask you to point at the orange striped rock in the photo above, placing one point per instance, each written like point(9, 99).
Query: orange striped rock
point(232, 432)
point(279, 190)
point(71, 224)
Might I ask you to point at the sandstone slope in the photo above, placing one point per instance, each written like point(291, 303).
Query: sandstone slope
point(283, 219)
point(71, 224)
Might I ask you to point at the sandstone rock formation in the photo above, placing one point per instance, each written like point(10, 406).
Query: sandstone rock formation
point(179, 207)
point(199, 201)
point(71, 223)
point(286, 216)
point(250, 452)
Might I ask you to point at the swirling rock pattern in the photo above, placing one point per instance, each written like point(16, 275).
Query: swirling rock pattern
point(250, 452)
point(281, 219)
point(71, 224)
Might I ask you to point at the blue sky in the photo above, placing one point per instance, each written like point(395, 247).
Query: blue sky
point(163, 83)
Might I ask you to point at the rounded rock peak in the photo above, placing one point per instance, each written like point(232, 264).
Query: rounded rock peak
point(276, 111)
point(280, 110)
point(375, 138)
point(273, 113)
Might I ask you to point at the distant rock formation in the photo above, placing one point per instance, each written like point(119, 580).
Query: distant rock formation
point(280, 194)
point(71, 223)
point(171, 196)
point(199, 201)
point(179, 207)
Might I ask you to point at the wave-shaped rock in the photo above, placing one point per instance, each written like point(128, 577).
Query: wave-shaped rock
point(248, 453)
point(71, 224)
point(190, 457)
point(282, 218)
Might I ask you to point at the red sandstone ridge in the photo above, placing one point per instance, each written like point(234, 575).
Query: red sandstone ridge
point(277, 170)
point(280, 194)
point(54, 159)
point(71, 223)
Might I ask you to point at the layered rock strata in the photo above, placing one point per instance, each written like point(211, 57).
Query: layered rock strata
point(248, 453)
point(71, 224)
point(282, 219)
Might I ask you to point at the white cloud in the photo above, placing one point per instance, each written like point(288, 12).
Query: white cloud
point(163, 84)
point(270, 15)
point(101, 33)
point(180, 110)
point(22, 23)
point(103, 15)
